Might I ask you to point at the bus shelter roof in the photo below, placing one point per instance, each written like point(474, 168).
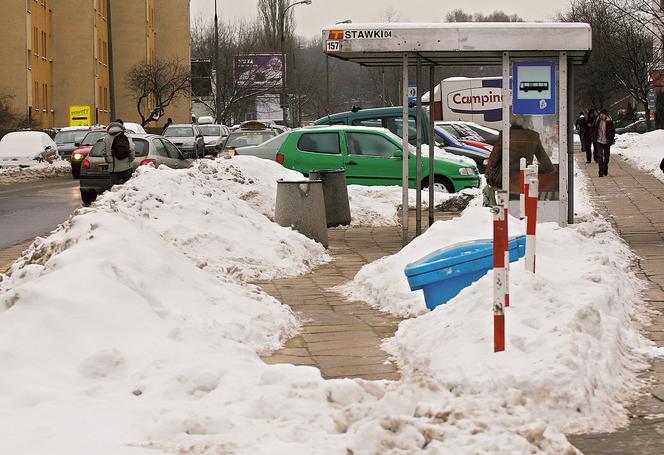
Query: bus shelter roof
point(459, 43)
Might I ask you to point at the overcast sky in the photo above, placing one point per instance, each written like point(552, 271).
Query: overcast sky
point(312, 18)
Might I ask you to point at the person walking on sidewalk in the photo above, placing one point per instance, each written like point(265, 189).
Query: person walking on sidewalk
point(584, 135)
point(592, 118)
point(604, 134)
point(119, 153)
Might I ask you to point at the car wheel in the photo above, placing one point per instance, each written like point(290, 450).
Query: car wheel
point(440, 184)
point(88, 197)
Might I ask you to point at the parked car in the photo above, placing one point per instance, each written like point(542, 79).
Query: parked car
point(370, 156)
point(188, 138)
point(26, 148)
point(214, 136)
point(68, 137)
point(640, 126)
point(150, 149)
point(249, 133)
point(83, 149)
point(134, 128)
point(466, 135)
point(489, 135)
point(451, 138)
point(392, 119)
point(267, 150)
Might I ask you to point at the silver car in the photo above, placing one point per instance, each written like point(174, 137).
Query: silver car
point(188, 138)
point(267, 150)
point(150, 149)
point(214, 136)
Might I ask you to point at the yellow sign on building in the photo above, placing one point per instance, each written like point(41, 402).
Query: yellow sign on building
point(80, 116)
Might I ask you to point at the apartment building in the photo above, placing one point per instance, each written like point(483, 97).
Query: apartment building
point(78, 52)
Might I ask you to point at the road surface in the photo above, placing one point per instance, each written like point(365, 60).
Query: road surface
point(31, 209)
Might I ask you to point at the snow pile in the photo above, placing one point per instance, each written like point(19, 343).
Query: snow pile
point(572, 329)
point(645, 151)
point(380, 205)
point(115, 338)
point(37, 171)
point(213, 213)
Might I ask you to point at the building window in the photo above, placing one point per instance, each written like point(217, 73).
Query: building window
point(45, 96)
point(35, 41)
point(43, 36)
point(35, 95)
point(105, 99)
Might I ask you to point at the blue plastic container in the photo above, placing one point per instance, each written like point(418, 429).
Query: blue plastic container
point(445, 272)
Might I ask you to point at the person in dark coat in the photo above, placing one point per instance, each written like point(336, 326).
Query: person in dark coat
point(592, 117)
point(583, 131)
point(604, 136)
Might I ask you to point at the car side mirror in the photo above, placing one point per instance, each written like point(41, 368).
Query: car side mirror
point(77, 144)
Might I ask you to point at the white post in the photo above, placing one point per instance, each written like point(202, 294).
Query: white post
point(503, 199)
point(531, 223)
point(562, 141)
point(522, 188)
point(418, 152)
point(404, 182)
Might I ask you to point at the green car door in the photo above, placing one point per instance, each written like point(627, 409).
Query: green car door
point(315, 150)
point(372, 159)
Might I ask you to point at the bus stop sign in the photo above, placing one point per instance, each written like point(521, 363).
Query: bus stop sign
point(534, 88)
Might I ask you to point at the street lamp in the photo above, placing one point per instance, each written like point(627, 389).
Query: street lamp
point(284, 106)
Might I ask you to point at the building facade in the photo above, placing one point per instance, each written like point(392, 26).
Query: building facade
point(78, 53)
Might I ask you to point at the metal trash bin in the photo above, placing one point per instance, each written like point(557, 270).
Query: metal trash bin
point(446, 272)
point(301, 205)
point(335, 192)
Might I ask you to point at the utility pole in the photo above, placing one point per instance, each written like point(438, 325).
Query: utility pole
point(217, 71)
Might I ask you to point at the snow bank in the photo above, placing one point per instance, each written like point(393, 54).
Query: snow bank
point(38, 171)
point(214, 213)
point(644, 151)
point(117, 338)
point(380, 205)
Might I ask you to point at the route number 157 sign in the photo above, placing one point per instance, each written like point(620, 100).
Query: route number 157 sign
point(332, 46)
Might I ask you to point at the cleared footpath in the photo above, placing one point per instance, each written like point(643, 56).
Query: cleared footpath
point(633, 202)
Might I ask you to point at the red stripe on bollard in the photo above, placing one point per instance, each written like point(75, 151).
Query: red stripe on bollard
point(498, 332)
point(531, 223)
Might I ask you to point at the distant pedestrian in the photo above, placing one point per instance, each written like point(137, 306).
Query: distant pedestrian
point(592, 118)
point(119, 153)
point(604, 134)
point(583, 131)
point(169, 122)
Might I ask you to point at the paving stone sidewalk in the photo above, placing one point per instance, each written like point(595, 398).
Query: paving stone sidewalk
point(340, 337)
point(633, 202)
point(9, 255)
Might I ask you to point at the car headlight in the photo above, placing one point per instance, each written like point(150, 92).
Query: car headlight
point(77, 156)
point(467, 171)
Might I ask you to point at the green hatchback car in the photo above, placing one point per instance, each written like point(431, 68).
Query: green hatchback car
point(370, 156)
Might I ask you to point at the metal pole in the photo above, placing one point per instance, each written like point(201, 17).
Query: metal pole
point(284, 108)
point(418, 150)
point(570, 141)
point(563, 141)
point(217, 70)
point(432, 141)
point(327, 84)
point(404, 142)
point(507, 102)
point(111, 76)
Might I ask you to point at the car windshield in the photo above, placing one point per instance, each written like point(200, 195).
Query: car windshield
point(69, 137)
point(92, 137)
point(210, 130)
point(179, 131)
point(245, 138)
point(141, 148)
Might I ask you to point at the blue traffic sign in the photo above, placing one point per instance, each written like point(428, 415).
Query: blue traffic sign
point(534, 88)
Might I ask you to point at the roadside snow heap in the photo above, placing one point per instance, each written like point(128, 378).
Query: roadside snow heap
point(35, 172)
point(642, 150)
point(132, 329)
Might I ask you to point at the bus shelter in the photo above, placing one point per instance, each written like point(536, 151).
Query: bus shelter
point(537, 61)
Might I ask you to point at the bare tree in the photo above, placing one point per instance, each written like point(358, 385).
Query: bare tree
point(270, 13)
point(156, 85)
point(9, 118)
point(459, 15)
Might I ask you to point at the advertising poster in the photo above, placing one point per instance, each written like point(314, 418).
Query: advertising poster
point(259, 70)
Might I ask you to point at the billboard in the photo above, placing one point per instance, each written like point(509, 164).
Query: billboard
point(259, 70)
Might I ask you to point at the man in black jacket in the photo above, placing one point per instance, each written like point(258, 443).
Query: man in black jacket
point(603, 134)
point(584, 135)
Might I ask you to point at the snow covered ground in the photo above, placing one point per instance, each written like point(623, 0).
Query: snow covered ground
point(132, 330)
point(644, 151)
point(38, 171)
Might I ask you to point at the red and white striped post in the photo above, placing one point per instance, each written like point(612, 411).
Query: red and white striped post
point(499, 278)
point(531, 223)
point(522, 188)
point(502, 199)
